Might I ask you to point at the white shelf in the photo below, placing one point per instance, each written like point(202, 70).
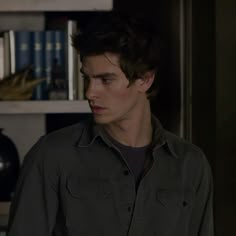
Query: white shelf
point(41, 107)
point(55, 5)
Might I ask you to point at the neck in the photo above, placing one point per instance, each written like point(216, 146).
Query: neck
point(135, 131)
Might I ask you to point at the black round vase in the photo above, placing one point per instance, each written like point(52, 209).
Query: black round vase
point(9, 167)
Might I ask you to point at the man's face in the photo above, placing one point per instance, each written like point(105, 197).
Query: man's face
point(110, 98)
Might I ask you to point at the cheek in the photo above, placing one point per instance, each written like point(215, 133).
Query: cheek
point(120, 96)
point(123, 99)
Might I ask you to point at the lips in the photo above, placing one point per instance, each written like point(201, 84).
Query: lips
point(92, 106)
point(97, 109)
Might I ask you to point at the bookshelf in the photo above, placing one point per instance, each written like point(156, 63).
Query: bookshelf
point(32, 15)
point(43, 107)
point(24, 121)
point(55, 5)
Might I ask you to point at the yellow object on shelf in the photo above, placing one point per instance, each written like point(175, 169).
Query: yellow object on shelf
point(18, 86)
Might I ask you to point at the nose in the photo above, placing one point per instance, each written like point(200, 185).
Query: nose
point(91, 89)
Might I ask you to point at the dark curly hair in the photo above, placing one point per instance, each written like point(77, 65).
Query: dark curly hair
point(135, 41)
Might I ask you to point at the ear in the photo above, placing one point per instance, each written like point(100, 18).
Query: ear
point(146, 81)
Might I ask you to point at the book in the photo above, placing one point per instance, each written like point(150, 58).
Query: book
point(38, 64)
point(7, 54)
point(1, 58)
point(72, 64)
point(23, 44)
point(59, 45)
point(58, 89)
point(12, 51)
point(49, 55)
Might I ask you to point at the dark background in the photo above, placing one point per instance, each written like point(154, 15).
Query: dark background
point(212, 39)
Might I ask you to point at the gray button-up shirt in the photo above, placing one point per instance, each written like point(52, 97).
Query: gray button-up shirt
point(74, 182)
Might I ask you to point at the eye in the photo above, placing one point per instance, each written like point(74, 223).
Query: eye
point(106, 80)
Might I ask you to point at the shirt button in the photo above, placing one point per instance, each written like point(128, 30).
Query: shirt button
point(126, 172)
point(129, 209)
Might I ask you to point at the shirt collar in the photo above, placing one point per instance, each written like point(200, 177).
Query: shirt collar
point(160, 138)
point(93, 131)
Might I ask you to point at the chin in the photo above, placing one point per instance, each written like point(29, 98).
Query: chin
point(106, 120)
point(101, 120)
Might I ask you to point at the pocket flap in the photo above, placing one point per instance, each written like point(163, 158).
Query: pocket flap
point(175, 197)
point(84, 187)
point(81, 187)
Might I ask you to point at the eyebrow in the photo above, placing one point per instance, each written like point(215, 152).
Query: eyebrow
point(99, 75)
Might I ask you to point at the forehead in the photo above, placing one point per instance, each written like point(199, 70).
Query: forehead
point(107, 62)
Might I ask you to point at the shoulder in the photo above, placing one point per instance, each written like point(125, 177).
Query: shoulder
point(182, 146)
point(64, 136)
point(55, 145)
point(186, 151)
point(193, 161)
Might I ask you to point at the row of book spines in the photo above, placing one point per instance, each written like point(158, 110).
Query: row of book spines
point(41, 49)
point(20, 46)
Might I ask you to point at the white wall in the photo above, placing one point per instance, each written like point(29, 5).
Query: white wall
point(23, 130)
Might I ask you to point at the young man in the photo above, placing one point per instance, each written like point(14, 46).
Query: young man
point(120, 173)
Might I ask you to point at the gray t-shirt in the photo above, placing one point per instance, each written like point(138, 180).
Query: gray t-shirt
point(135, 157)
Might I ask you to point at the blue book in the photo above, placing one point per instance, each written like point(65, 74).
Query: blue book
point(60, 48)
point(38, 64)
point(23, 44)
point(49, 54)
point(58, 85)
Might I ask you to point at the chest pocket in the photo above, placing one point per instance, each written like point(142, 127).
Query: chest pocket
point(86, 198)
point(88, 188)
point(182, 198)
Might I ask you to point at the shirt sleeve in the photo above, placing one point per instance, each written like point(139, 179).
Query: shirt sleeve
point(202, 223)
point(34, 206)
